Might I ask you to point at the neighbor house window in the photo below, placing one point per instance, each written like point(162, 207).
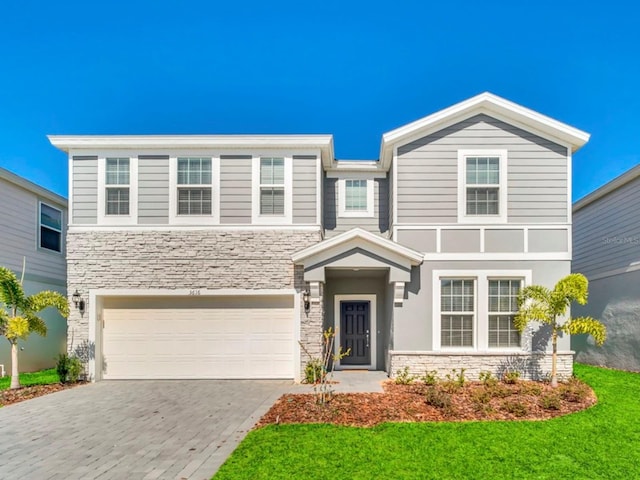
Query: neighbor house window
point(483, 185)
point(272, 186)
point(50, 228)
point(503, 306)
point(457, 312)
point(355, 193)
point(194, 186)
point(117, 183)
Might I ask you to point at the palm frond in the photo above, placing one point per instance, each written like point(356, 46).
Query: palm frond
point(47, 298)
point(17, 327)
point(586, 325)
point(36, 324)
point(11, 292)
point(573, 288)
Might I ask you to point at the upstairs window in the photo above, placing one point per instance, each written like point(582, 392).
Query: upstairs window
point(503, 306)
point(117, 183)
point(355, 193)
point(272, 186)
point(482, 188)
point(457, 312)
point(50, 228)
point(194, 186)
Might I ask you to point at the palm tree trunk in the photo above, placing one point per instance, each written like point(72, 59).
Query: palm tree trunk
point(554, 358)
point(15, 379)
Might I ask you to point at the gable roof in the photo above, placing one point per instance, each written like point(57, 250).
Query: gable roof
point(32, 187)
point(607, 188)
point(491, 105)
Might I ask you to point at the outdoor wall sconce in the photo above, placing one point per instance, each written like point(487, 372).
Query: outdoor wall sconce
point(79, 302)
point(306, 301)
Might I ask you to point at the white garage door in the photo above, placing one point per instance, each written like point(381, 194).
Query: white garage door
point(226, 338)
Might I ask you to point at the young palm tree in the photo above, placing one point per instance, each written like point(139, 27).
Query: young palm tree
point(19, 314)
point(541, 304)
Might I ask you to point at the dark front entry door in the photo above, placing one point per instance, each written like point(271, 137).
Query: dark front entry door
point(355, 333)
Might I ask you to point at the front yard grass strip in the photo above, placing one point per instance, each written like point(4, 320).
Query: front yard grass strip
point(602, 442)
point(43, 377)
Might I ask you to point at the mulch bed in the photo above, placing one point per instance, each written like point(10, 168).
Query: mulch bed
point(8, 397)
point(408, 403)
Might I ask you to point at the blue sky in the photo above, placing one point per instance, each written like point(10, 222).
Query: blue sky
point(352, 69)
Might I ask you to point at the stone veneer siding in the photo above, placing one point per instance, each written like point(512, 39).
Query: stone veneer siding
point(536, 366)
point(188, 259)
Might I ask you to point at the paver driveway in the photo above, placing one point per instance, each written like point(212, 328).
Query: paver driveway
point(132, 429)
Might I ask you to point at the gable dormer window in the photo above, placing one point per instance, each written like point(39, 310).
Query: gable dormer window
point(117, 183)
point(355, 197)
point(482, 194)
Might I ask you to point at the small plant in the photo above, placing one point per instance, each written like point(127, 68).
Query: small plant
point(550, 401)
point(449, 386)
point(460, 378)
point(75, 369)
point(499, 391)
point(314, 371)
point(62, 367)
point(481, 396)
point(68, 368)
point(573, 391)
point(430, 378)
point(518, 409)
point(530, 388)
point(487, 379)
point(404, 377)
point(439, 399)
point(511, 377)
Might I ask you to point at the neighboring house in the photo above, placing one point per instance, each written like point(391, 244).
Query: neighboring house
point(32, 227)
point(211, 256)
point(606, 248)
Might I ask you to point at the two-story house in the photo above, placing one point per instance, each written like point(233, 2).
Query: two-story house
point(212, 256)
point(32, 238)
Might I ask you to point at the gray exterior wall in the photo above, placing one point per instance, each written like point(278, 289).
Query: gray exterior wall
point(305, 188)
point(45, 270)
point(413, 320)
point(334, 224)
point(85, 190)
point(606, 233)
point(615, 301)
point(153, 189)
point(428, 178)
point(235, 189)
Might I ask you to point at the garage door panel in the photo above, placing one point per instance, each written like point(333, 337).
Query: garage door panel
point(228, 342)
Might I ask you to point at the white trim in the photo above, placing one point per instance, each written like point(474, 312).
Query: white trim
point(214, 218)
point(525, 234)
point(181, 228)
point(453, 226)
point(94, 319)
point(394, 197)
point(70, 192)
point(462, 186)
point(355, 174)
point(342, 198)
point(319, 191)
point(102, 217)
point(398, 293)
point(497, 256)
point(480, 325)
point(372, 299)
point(256, 217)
point(297, 328)
point(487, 353)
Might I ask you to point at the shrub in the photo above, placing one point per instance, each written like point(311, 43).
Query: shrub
point(487, 379)
point(515, 408)
point(68, 368)
point(449, 386)
point(430, 378)
point(499, 391)
point(75, 369)
point(439, 399)
point(573, 391)
point(530, 388)
point(314, 371)
point(481, 396)
point(403, 377)
point(550, 401)
point(511, 377)
point(62, 367)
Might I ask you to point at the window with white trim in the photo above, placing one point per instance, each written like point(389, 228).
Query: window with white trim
point(50, 228)
point(118, 183)
point(355, 195)
point(482, 187)
point(194, 184)
point(503, 306)
point(272, 186)
point(457, 312)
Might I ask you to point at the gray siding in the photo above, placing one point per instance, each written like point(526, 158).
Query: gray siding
point(428, 179)
point(304, 189)
point(606, 233)
point(500, 240)
point(235, 189)
point(421, 240)
point(460, 241)
point(548, 240)
point(153, 189)
point(19, 235)
point(334, 224)
point(85, 190)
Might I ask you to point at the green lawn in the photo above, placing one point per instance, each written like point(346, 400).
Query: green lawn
point(600, 443)
point(43, 377)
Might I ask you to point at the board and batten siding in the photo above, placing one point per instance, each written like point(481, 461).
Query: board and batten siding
point(235, 189)
point(19, 235)
point(85, 190)
point(305, 188)
point(428, 177)
point(606, 233)
point(153, 189)
point(335, 224)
